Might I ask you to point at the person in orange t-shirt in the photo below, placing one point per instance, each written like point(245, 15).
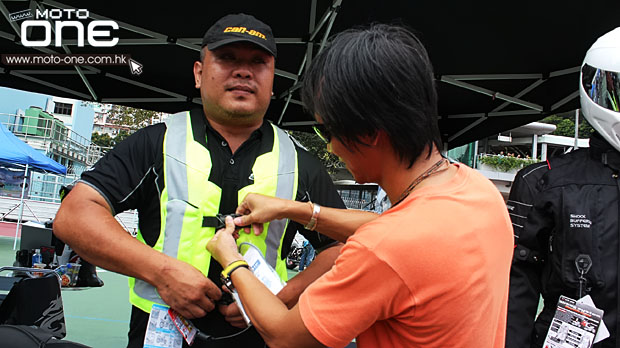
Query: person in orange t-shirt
point(431, 271)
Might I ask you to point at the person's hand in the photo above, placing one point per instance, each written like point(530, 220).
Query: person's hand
point(223, 246)
point(258, 209)
point(233, 315)
point(186, 290)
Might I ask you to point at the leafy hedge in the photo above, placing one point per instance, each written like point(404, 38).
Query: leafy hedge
point(506, 163)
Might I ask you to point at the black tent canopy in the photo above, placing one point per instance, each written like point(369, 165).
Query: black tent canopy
point(498, 64)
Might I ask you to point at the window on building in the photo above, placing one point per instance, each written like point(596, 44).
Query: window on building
point(63, 108)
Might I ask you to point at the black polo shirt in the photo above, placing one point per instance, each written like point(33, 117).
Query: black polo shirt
point(131, 177)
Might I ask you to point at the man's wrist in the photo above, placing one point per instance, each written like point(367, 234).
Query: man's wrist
point(164, 267)
point(230, 259)
point(286, 211)
point(227, 272)
point(315, 209)
point(228, 269)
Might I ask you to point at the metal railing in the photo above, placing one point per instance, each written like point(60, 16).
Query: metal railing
point(46, 187)
point(58, 142)
point(53, 137)
point(33, 210)
point(361, 204)
point(43, 211)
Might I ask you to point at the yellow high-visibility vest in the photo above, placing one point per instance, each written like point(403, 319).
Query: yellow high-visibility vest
point(188, 196)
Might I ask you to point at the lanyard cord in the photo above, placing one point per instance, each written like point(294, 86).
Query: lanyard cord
point(205, 337)
point(430, 171)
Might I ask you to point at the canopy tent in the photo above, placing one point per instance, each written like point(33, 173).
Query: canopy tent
point(15, 153)
point(498, 64)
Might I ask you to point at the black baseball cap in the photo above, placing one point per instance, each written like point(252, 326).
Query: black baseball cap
point(240, 27)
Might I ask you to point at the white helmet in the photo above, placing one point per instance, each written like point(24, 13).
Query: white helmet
point(599, 87)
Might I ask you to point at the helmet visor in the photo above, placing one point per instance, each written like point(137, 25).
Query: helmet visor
point(602, 87)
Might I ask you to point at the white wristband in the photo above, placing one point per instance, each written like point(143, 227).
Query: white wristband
point(316, 209)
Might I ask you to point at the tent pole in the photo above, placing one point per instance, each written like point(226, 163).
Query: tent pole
point(576, 129)
point(21, 208)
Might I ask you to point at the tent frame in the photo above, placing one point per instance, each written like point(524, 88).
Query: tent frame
point(317, 38)
point(21, 208)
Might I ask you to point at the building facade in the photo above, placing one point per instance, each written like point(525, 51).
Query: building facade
point(60, 128)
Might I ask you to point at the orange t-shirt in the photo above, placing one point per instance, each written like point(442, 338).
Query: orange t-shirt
point(430, 272)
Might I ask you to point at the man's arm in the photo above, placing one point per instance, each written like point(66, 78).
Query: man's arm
point(277, 324)
point(84, 221)
point(525, 273)
point(335, 223)
point(289, 295)
point(295, 286)
point(311, 322)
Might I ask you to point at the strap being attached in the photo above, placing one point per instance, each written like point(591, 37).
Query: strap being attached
point(211, 221)
point(219, 221)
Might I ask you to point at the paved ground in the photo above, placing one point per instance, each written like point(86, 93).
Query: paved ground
point(7, 229)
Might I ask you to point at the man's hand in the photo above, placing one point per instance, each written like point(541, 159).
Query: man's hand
point(186, 290)
point(258, 209)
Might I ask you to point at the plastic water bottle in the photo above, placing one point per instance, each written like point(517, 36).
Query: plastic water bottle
point(37, 257)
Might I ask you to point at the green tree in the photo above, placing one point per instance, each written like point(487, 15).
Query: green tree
point(565, 124)
point(103, 140)
point(317, 147)
point(133, 118)
point(565, 127)
point(122, 134)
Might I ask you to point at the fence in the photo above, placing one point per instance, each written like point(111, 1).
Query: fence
point(39, 211)
point(55, 140)
point(356, 196)
point(50, 136)
point(361, 204)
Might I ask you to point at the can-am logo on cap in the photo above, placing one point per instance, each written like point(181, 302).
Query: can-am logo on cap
point(97, 32)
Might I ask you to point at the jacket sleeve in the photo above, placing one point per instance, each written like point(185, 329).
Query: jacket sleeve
point(121, 174)
point(525, 273)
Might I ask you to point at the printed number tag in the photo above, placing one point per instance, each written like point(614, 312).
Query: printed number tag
point(574, 325)
point(160, 331)
point(185, 327)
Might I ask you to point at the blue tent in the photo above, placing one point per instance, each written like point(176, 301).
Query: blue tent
point(14, 152)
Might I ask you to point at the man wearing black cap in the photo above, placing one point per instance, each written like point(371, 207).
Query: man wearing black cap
point(180, 175)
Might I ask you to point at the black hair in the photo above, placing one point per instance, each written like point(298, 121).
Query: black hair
point(371, 79)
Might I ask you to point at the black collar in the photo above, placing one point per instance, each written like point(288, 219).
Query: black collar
point(200, 126)
point(601, 150)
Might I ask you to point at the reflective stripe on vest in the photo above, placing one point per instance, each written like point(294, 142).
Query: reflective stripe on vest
point(187, 166)
point(286, 183)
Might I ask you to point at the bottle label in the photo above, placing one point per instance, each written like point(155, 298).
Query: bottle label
point(36, 258)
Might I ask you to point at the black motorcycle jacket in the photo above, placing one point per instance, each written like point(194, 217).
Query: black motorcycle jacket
point(560, 210)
